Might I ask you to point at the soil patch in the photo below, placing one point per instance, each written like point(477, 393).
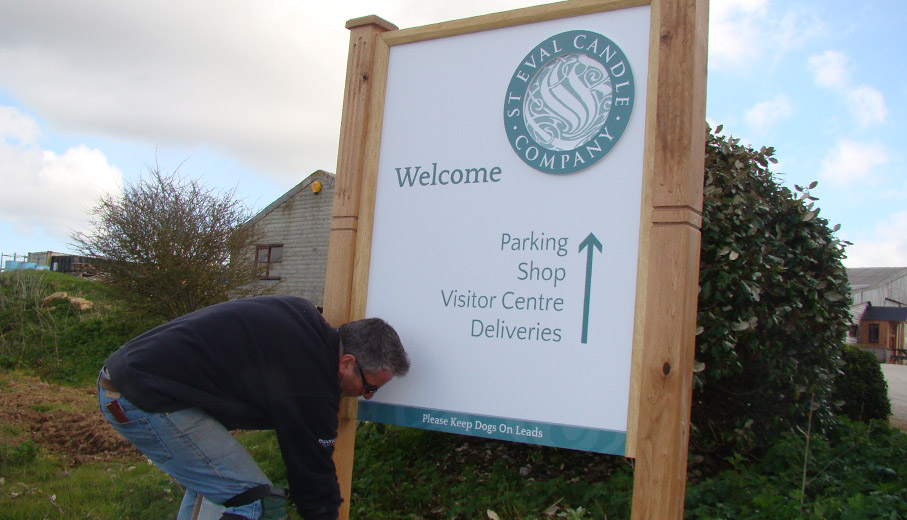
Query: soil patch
point(64, 420)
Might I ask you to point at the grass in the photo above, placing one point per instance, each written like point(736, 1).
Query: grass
point(35, 483)
point(55, 339)
point(41, 485)
point(855, 471)
point(408, 473)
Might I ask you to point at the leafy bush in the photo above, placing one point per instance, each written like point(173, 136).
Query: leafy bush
point(773, 305)
point(854, 473)
point(862, 386)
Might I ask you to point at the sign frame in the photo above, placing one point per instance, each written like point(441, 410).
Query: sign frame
point(667, 274)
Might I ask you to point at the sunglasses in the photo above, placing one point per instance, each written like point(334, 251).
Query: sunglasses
point(366, 388)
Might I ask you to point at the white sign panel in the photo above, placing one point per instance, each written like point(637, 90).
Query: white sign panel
point(506, 229)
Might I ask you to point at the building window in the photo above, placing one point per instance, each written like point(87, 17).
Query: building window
point(267, 261)
point(873, 333)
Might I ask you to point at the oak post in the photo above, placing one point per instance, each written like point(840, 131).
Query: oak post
point(345, 218)
point(676, 150)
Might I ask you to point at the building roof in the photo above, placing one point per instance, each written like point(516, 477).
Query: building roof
point(885, 314)
point(856, 311)
point(863, 277)
point(316, 175)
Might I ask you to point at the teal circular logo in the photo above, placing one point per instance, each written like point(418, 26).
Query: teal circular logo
point(568, 102)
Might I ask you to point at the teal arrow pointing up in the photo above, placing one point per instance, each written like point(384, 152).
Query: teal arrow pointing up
point(590, 244)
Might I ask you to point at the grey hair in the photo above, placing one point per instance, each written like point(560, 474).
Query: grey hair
point(375, 344)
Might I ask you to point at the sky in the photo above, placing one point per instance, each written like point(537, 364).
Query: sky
point(248, 96)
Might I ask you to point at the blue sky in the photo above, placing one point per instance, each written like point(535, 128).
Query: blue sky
point(248, 95)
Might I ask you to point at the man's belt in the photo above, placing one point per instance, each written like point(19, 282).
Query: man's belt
point(110, 390)
point(105, 382)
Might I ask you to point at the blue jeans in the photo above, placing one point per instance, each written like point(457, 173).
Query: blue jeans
point(193, 448)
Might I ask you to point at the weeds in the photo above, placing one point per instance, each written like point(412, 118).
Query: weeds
point(856, 471)
point(18, 455)
point(21, 295)
point(406, 473)
point(41, 485)
point(55, 339)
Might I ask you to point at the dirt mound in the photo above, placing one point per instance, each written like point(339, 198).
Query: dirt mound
point(64, 420)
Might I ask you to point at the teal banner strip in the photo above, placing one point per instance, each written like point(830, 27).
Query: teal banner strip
point(516, 430)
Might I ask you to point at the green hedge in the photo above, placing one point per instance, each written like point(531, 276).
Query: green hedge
point(773, 305)
point(862, 389)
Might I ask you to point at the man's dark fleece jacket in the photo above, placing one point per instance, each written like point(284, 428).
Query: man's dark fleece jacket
point(259, 363)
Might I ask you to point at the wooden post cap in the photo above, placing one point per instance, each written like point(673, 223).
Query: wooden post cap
point(370, 20)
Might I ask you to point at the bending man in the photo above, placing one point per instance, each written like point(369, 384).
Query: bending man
point(270, 362)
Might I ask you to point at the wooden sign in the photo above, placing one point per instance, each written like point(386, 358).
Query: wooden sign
point(527, 218)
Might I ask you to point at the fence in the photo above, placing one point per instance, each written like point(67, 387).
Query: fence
point(15, 261)
point(43, 261)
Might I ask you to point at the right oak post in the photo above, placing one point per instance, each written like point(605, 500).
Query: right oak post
point(675, 147)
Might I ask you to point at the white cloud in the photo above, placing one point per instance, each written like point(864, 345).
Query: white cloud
point(831, 70)
point(762, 116)
point(743, 34)
point(177, 73)
point(733, 31)
point(885, 246)
point(867, 105)
point(43, 189)
point(261, 82)
point(853, 161)
point(258, 85)
point(17, 127)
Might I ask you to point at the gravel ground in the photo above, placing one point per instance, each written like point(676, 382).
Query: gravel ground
point(896, 375)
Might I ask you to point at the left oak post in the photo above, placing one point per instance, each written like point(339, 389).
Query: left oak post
point(345, 218)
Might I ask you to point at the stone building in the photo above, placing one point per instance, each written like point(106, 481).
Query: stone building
point(291, 257)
